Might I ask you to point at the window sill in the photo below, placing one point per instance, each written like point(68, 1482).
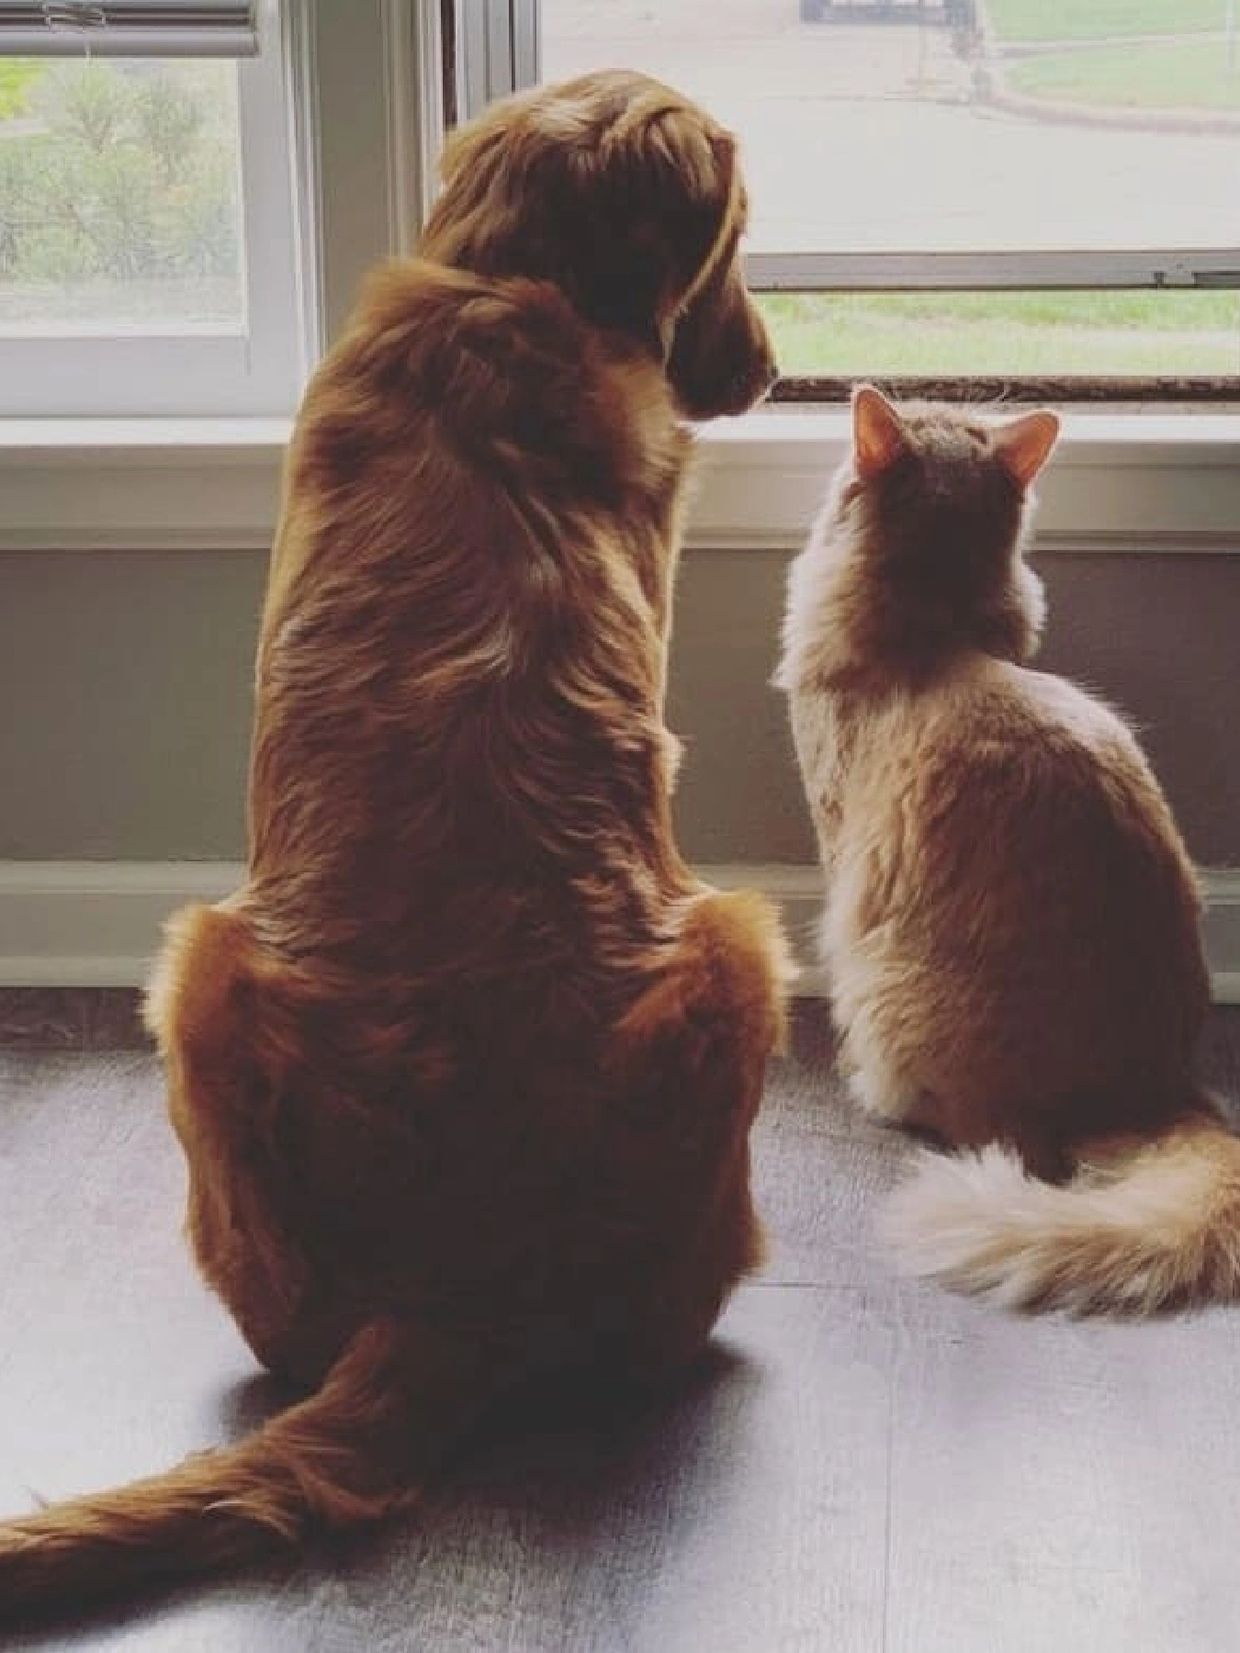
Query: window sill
point(1120, 481)
point(139, 484)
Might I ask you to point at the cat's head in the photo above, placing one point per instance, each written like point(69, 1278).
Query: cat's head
point(927, 515)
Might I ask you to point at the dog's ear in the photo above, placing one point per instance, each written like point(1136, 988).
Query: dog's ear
point(668, 185)
point(613, 187)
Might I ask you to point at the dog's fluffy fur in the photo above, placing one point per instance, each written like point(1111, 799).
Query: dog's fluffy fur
point(1012, 923)
point(464, 1074)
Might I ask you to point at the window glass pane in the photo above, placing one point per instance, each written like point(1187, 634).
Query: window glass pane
point(964, 125)
point(119, 195)
point(1044, 335)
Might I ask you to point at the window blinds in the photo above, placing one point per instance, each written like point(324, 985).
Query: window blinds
point(128, 28)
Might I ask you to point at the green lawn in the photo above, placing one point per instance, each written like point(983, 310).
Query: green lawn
point(17, 76)
point(1189, 74)
point(972, 334)
point(1014, 20)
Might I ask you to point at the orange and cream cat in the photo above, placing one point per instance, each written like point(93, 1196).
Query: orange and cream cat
point(1012, 923)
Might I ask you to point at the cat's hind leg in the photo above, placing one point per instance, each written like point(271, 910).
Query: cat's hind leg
point(870, 1010)
point(883, 1094)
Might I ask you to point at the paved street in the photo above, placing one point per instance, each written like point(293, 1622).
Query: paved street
point(863, 138)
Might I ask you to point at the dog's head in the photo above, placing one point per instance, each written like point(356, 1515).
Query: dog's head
point(630, 199)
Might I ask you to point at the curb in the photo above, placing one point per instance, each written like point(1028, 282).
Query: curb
point(1182, 122)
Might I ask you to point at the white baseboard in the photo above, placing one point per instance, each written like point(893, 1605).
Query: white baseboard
point(97, 923)
point(1221, 886)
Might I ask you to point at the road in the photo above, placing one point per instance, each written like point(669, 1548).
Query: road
point(864, 138)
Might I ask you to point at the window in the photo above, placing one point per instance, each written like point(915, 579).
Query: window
point(981, 188)
point(366, 89)
point(147, 248)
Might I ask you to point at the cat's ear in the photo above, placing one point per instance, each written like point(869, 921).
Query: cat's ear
point(878, 434)
point(1024, 445)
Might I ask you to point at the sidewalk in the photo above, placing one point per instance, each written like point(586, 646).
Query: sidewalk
point(753, 44)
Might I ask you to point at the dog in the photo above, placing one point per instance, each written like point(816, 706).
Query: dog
point(464, 1074)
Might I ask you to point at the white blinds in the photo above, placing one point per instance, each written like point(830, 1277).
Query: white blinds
point(128, 28)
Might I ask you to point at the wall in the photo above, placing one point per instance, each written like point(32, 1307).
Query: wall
point(126, 680)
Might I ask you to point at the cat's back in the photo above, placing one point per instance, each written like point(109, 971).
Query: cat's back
point(1032, 725)
point(985, 745)
point(1021, 825)
point(1066, 715)
point(1029, 752)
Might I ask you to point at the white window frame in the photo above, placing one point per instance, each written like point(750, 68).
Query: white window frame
point(498, 50)
point(878, 272)
point(254, 368)
point(366, 106)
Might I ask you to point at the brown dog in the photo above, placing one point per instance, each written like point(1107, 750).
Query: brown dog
point(465, 1073)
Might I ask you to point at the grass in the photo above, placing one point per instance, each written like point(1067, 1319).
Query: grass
point(974, 334)
point(1019, 20)
point(17, 76)
point(1189, 74)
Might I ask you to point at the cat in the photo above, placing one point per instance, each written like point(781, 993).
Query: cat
point(1012, 923)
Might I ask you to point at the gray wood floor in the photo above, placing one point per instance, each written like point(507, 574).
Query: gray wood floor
point(859, 1464)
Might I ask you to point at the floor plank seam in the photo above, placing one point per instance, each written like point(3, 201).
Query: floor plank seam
point(887, 1491)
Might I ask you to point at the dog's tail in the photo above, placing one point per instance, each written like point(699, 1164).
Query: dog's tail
point(1150, 1228)
point(388, 1411)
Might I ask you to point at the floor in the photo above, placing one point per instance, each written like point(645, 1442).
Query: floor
point(859, 1464)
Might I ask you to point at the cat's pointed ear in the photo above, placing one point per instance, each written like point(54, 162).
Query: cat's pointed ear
point(1024, 445)
point(878, 434)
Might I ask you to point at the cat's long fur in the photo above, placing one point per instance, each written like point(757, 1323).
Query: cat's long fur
point(464, 1074)
point(1012, 922)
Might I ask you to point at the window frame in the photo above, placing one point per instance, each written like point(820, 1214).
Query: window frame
point(498, 49)
point(256, 368)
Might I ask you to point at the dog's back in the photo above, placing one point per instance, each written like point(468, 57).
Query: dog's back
point(459, 675)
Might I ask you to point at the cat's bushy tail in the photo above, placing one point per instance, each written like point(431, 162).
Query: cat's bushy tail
point(1150, 1227)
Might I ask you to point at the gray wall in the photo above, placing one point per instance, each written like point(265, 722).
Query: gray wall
point(126, 681)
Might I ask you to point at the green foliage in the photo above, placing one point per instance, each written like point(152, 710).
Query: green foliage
point(86, 103)
point(1102, 19)
point(170, 124)
point(972, 334)
point(119, 173)
point(18, 75)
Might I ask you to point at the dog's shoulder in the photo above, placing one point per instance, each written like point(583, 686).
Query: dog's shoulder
point(434, 321)
point(502, 371)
